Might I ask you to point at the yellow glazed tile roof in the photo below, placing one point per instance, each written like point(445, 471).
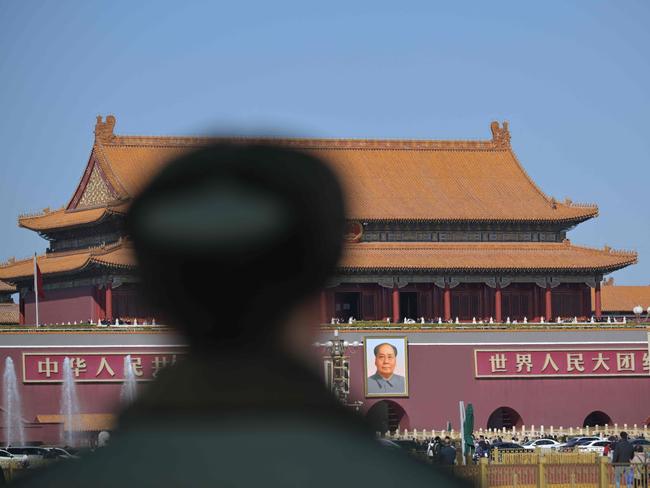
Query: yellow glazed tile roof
point(484, 256)
point(615, 298)
point(118, 255)
point(6, 287)
point(388, 180)
point(68, 218)
point(9, 313)
point(413, 180)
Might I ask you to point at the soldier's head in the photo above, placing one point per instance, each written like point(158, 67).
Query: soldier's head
point(232, 239)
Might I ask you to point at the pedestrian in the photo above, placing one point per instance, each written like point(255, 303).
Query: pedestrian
point(623, 453)
point(638, 467)
point(607, 448)
point(431, 451)
point(447, 454)
point(482, 448)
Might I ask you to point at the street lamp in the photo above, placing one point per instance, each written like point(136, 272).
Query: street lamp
point(339, 378)
point(638, 310)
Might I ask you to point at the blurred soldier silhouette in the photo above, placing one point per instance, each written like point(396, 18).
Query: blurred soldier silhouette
point(233, 243)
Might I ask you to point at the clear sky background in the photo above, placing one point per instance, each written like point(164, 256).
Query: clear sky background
point(572, 78)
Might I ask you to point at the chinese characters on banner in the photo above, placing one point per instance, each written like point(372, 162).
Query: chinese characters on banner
point(95, 366)
point(493, 363)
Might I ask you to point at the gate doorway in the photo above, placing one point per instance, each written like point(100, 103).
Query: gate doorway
point(504, 418)
point(387, 416)
point(597, 418)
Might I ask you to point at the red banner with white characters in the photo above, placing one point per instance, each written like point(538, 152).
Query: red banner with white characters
point(567, 363)
point(95, 366)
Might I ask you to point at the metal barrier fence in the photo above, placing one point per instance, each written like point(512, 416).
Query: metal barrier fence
point(630, 475)
point(531, 431)
point(553, 470)
point(534, 457)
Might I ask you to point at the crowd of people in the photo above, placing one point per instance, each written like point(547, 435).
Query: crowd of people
point(444, 450)
point(441, 451)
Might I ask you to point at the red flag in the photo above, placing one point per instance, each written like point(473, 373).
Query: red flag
point(38, 280)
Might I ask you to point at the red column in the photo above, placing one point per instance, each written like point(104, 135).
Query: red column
point(549, 310)
point(109, 302)
point(21, 309)
point(486, 302)
point(446, 298)
point(497, 304)
point(597, 304)
point(536, 313)
point(395, 304)
point(435, 303)
point(323, 307)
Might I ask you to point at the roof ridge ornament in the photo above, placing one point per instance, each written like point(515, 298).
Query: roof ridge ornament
point(104, 130)
point(500, 135)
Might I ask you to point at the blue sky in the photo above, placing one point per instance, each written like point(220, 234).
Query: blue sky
point(572, 78)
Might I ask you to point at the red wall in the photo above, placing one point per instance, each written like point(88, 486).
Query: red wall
point(45, 398)
point(62, 306)
point(441, 375)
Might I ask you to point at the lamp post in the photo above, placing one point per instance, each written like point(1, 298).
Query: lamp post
point(638, 310)
point(339, 377)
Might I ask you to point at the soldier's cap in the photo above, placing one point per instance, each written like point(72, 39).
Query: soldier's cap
point(229, 237)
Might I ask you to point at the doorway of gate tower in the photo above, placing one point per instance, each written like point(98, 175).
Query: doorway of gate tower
point(597, 418)
point(387, 416)
point(466, 301)
point(504, 418)
point(347, 305)
point(408, 305)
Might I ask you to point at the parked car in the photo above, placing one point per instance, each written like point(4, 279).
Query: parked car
point(640, 442)
point(60, 453)
point(594, 446)
point(32, 453)
point(541, 443)
point(408, 445)
point(574, 441)
point(389, 444)
point(506, 446)
point(7, 459)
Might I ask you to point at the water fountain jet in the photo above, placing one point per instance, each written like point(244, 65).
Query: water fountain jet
point(69, 405)
point(14, 430)
point(129, 391)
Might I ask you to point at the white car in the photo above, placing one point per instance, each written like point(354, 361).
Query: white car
point(594, 446)
point(574, 442)
point(61, 453)
point(17, 461)
point(542, 444)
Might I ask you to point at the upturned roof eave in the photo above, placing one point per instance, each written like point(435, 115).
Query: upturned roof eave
point(482, 270)
point(488, 220)
point(108, 211)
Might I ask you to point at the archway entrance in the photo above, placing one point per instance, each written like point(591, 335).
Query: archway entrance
point(387, 416)
point(504, 418)
point(597, 418)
